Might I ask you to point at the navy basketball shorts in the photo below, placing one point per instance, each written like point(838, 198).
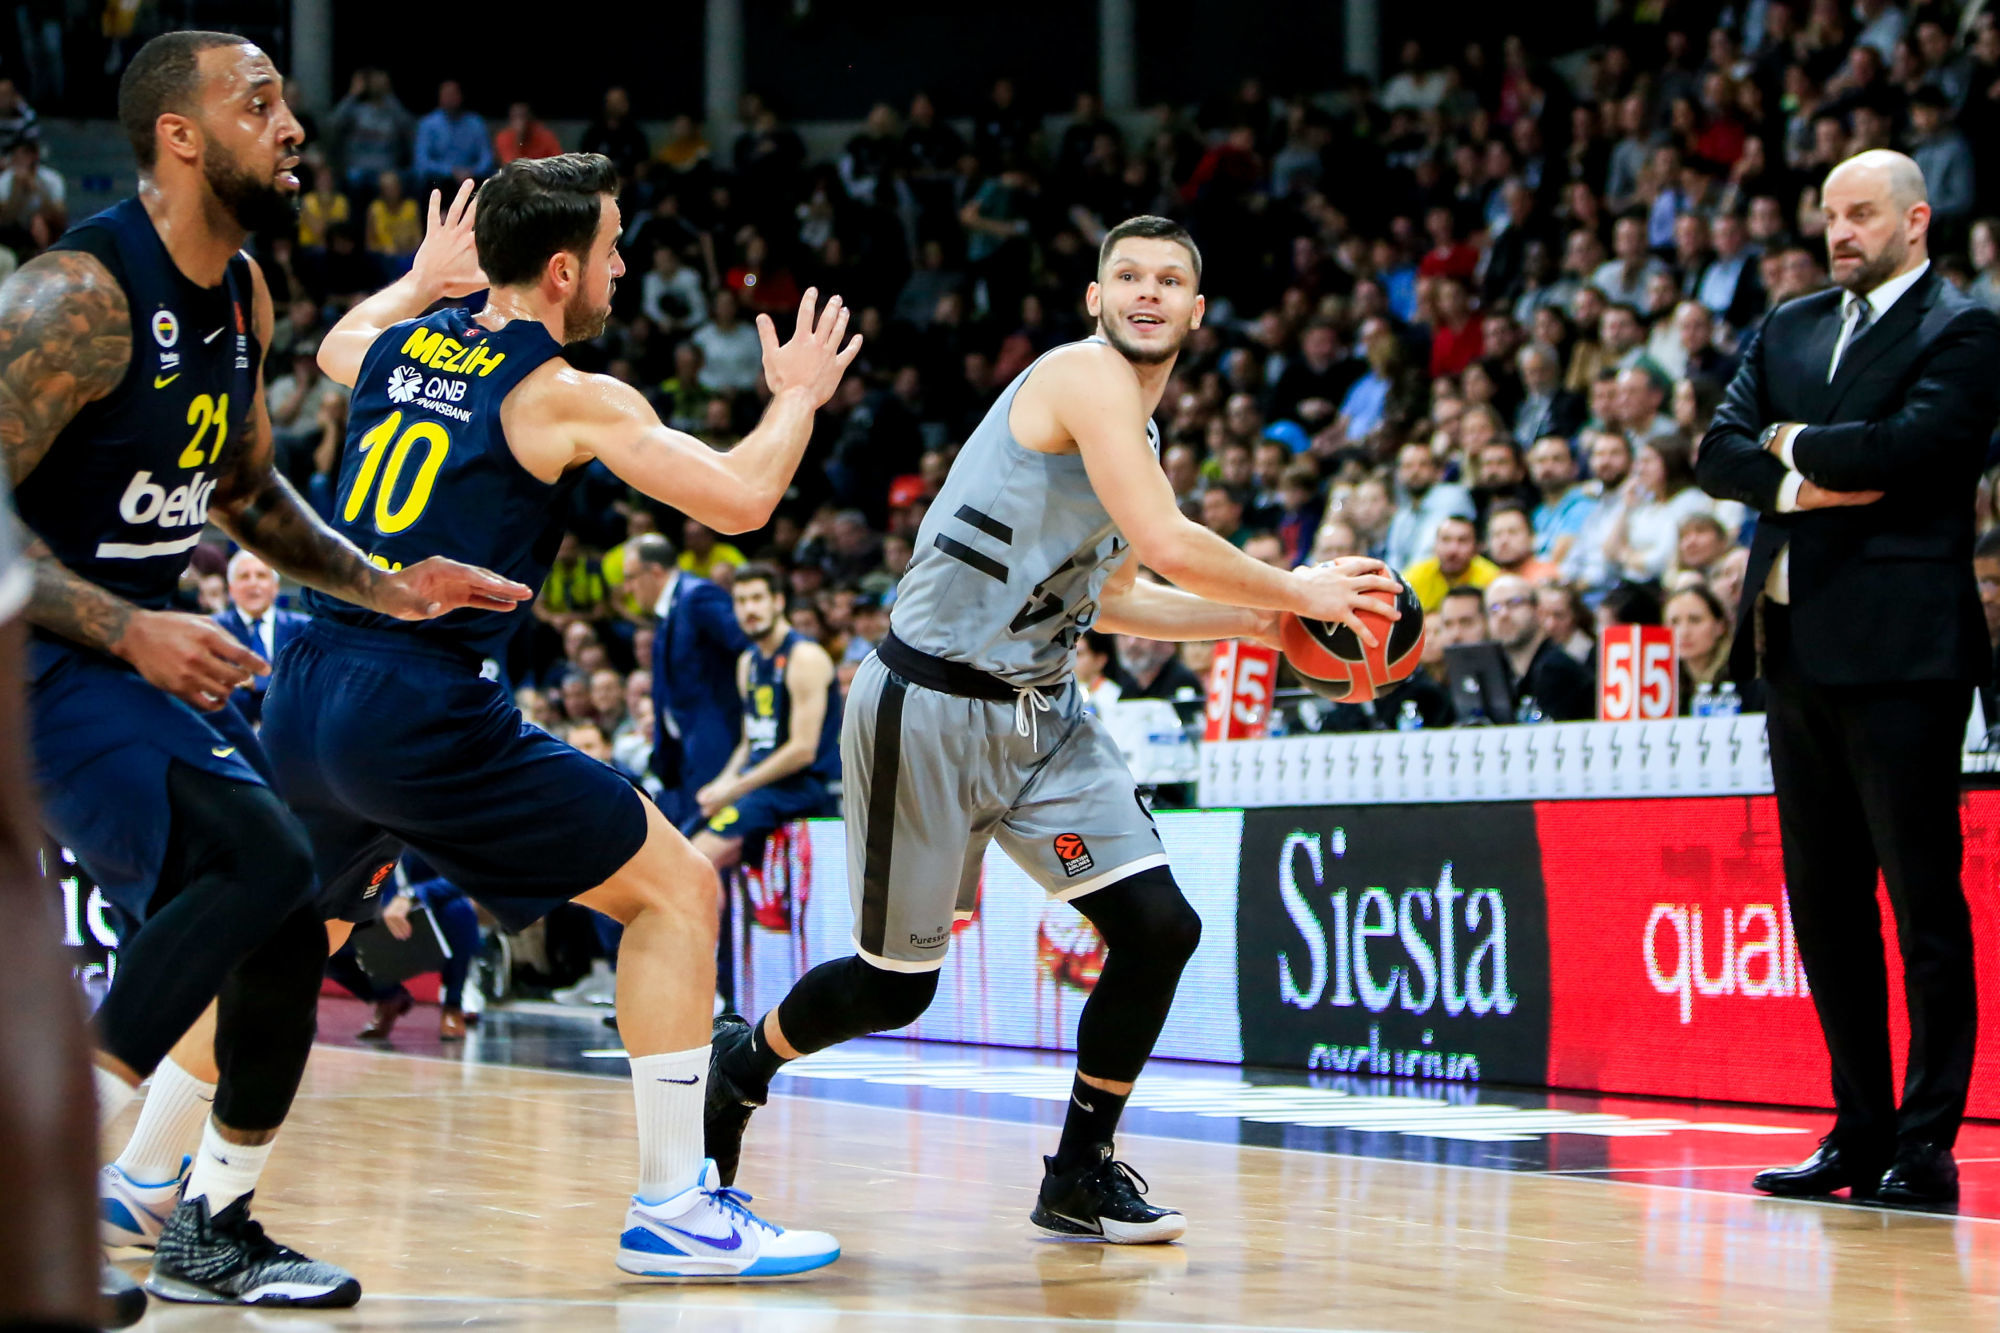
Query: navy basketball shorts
point(102, 739)
point(382, 741)
point(769, 808)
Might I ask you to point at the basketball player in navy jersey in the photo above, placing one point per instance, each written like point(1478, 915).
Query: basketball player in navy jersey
point(465, 434)
point(131, 414)
point(789, 756)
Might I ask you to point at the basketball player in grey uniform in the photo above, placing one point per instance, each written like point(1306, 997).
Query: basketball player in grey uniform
point(966, 725)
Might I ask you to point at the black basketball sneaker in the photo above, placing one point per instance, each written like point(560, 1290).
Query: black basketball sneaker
point(122, 1301)
point(726, 1112)
point(228, 1260)
point(1101, 1199)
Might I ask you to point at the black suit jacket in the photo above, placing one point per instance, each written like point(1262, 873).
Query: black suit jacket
point(1883, 592)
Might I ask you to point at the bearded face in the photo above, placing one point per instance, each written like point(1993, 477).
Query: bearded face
point(255, 200)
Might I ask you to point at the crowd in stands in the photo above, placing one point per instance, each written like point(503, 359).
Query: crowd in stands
point(1473, 320)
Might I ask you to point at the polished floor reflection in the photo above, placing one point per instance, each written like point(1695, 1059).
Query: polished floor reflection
point(471, 1193)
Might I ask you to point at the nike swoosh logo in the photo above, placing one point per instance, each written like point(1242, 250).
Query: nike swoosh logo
point(686, 1082)
point(222, 751)
point(1084, 1104)
point(733, 1241)
point(162, 381)
point(213, 336)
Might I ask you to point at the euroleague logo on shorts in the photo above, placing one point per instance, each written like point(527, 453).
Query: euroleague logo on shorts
point(375, 883)
point(1075, 857)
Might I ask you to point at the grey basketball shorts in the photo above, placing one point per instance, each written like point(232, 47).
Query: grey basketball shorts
point(930, 778)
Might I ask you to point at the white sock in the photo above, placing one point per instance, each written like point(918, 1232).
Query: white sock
point(223, 1171)
point(668, 1089)
point(114, 1094)
point(169, 1127)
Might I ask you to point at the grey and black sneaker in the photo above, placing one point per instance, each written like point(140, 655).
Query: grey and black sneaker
point(726, 1113)
point(120, 1300)
point(1101, 1200)
point(228, 1260)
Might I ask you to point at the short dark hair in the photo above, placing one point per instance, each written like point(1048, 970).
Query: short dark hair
point(537, 207)
point(758, 572)
point(1466, 590)
point(1151, 228)
point(1508, 507)
point(165, 77)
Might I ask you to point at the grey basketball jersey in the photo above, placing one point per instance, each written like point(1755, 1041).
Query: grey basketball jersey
point(1011, 557)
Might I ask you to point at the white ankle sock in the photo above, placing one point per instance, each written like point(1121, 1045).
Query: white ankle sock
point(223, 1171)
point(114, 1094)
point(668, 1090)
point(169, 1127)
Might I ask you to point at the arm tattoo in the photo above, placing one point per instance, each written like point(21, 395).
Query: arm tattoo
point(65, 340)
point(79, 610)
point(258, 507)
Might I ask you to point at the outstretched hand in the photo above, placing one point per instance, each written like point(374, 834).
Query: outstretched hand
point(813, 360)
point(447, 263)
point(1335, 592)
point(435, 586)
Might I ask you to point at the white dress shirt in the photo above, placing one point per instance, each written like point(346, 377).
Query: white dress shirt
point(263, 629)
point(1778, 587)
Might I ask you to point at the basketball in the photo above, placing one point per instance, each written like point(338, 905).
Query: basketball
point(1334, 664)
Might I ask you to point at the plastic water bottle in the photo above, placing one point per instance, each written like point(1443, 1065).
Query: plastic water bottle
point(1728, 703)
point(1704, 700)
point(1274, 726)
point(1529, 711)
point(1408, 718)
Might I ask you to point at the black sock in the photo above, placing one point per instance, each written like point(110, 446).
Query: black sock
point(757, 1061)
point(1089, 1125)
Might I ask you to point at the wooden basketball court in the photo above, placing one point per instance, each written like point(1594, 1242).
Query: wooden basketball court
point(488, 1195)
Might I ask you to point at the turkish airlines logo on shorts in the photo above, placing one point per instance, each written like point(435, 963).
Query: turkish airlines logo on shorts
point(1073, 854)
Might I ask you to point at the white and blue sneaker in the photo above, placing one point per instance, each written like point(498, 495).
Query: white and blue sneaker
point(709, 1231)
point(133, 1214)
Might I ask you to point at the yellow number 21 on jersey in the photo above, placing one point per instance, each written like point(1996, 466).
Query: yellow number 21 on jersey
point(375, 445)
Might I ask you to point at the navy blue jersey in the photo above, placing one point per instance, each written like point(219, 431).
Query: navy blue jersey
point(122, 496)
point(426, 470)
point(767, 712)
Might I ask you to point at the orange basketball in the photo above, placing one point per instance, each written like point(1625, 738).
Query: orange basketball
point(1334, 663)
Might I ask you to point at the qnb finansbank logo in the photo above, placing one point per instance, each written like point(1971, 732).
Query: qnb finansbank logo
point(1418, 950)
point(1691, 951)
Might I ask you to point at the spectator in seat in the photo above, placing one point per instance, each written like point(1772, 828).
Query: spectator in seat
point(1546, 407)
point(18, 120)
point(616, 134)
point(1946, 161)
point(1458, 336)
point(671, 294)
point(703, 556)
point(395, 228)
point(1728, 285)
point(33, 207)
point(1641, 393)
point(732, 357)
point(1154, 670)
point(1646, 532)
point(1222, 509)
point(254, 619)
point(1314, 384)
point(1566, 621)
point(1622, 278)
point(323, 208)
point(451, 143)
point(1700, 544)
point(1587, 566)
point(369, 131)
point(524, 136)
point(1427, 501)
point(696, 644)
point(1546, 678)
point(1502, 477)
point(1510, 543)
point(1455, 561)
point(1098, 675)
point(1700, 627)
point(1564, 501)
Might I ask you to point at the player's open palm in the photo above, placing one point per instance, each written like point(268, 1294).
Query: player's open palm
point(435, 586)
point(1334, 591)
point(448, 260)
point(814, 359)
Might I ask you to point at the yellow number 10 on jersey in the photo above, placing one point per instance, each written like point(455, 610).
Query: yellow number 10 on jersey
point(374, 446)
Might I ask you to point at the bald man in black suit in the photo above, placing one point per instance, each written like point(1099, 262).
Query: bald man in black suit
point(1856, 426)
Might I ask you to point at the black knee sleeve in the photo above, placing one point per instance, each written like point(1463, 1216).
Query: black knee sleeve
point(850, 998)
point(237, 868)
point(1149, 932)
